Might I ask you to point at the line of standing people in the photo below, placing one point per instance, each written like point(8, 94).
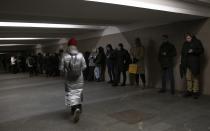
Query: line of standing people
point(191, 52)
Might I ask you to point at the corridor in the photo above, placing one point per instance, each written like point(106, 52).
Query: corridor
point(37, 104)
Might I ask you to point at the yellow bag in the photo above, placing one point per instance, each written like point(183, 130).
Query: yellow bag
point(133, 68)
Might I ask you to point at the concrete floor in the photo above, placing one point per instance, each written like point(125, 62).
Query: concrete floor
point(37, 104)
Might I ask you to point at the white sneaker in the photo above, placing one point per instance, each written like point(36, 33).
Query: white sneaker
point(76, 115)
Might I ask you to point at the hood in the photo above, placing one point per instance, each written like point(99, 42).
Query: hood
point(72, 50)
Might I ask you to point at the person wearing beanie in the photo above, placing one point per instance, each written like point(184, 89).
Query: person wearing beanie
point(73, 64)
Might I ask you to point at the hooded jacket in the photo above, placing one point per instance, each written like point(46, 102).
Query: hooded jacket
point(74, 55)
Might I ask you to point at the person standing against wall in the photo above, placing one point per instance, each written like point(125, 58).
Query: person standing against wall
point(13, 62)
point(167, 52)
point(110, 62)
point(137, 54)
point(92, 65)
point(100, 65)
point(73, 64)
point(30, 64)
point(190, 64)
point(123, 63)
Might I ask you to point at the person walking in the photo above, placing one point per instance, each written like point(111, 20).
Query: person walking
point(73, 64)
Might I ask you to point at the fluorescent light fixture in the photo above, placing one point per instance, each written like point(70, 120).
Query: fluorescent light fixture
point(25, 38)
point(154, 5)
point(2, 53)
point(17, 44)
point(49, 25)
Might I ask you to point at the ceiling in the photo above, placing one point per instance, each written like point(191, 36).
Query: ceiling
point(74, 12)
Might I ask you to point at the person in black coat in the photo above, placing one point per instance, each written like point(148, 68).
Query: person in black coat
point(110, 62)
point(190, 64)
point(101, 63)
point(123, 59)
point(167, 52)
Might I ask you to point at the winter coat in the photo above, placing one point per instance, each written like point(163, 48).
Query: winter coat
point(167, 60)
point(91, 59)
point(100, 58)
point(123, 59)
point(110, 57)
point(191, 60)
point(73, 55)
point(137, 54)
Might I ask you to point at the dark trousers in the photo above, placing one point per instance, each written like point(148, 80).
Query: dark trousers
point(118, 74)
point(124, 76)
point(168, 74)
point(91, 76)
point(142, 78)
point(73, 108)
point(14, 69)
point(111, 73)
point(31, 71)
point(102, 75)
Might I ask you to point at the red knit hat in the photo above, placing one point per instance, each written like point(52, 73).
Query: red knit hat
point(72, 41)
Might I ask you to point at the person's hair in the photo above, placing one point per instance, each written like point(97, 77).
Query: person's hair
point(110, 46)
point(101, 49)
point(188, 34)
point(165, 36)
point(138, 41)
point(120, 45)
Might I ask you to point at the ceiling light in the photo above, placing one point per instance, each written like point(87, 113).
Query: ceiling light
point(17, 44)
point(49, 25)
point(25, 38)
point(151, 5)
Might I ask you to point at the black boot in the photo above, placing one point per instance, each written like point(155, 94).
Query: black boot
point(77, 112)
point(76, 115)
point(196, 95)
point(162, 91)
point(187, 94)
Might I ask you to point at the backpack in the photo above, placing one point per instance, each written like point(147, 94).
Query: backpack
point(73, 67)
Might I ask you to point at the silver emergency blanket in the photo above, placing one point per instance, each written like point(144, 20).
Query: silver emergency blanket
point(73, 97)
point(73, 86)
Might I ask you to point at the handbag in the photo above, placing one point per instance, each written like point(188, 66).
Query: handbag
point(133, 68)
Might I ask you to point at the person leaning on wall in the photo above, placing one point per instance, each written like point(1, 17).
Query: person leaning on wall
point(110, 62)
point(167, 52)
point(137, 55)
point(123, 60)
point(190, 64)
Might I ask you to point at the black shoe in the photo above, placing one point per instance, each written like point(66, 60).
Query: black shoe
point(123, 84)
point(76, 115)
point(161, 91)
point(187, 94)
point(110, 82)
point(115, 84)
point(195, 95)
point(172, 92)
